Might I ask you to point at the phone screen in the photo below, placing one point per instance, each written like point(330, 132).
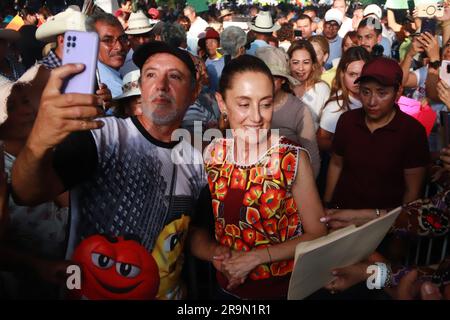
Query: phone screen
point(428, 25)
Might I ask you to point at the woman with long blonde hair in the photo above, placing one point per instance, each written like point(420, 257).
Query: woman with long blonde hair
point(344, 94)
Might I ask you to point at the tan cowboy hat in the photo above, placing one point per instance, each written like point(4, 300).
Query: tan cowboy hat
point(36, 76)
point(278, 62)
point(225, 12)
point(70, 19)
point(263, 23)
point(9, 35)
point(130, 85)
point(138, 23)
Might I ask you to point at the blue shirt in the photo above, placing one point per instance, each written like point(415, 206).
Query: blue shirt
point(214, 69)
point(111, 77)
point(335, 51)
point(255, 45)
point(386, 46)
point(129, 65)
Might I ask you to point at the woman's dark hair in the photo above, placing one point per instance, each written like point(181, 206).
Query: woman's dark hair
point(286, 32)
point(339, 92)
point(241, 64)
point(27, 11)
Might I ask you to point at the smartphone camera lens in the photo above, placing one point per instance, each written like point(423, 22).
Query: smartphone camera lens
point(74, 38)
point(73, 45)
point(69, 38)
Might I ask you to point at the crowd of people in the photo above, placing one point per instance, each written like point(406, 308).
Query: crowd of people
point(298, 111)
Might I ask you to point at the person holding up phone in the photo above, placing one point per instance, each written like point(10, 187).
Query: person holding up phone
point(125, 175)
point(53, 30)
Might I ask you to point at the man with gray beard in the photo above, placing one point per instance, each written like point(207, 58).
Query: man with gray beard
point(125, 176)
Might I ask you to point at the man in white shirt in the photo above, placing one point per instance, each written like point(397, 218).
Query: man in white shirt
point(346, 25)
point(198, 25)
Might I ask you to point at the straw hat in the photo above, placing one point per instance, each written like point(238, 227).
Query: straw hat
point(263, 23)
point(36, 76)
point(138, 23)
point(130, 85)
point(70, 19)
point(224, 13)
point(278, 62)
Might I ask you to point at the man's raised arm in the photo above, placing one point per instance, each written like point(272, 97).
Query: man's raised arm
point(34, 180)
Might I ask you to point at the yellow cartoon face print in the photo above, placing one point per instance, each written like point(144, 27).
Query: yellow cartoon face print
point(168, 253)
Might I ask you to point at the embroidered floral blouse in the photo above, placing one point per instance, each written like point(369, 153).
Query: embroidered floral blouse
point(253, 207)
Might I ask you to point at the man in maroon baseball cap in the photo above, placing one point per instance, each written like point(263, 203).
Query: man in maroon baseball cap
point(385, 151)
point(380, 75)
point(384, 70)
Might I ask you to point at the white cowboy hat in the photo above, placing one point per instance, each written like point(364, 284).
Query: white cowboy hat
point(138, 23)
point(130, 85)
point(36, 76)
point(70, 19)
point(263, 23)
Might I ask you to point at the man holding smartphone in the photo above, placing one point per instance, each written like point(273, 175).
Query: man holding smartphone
point(125, 175)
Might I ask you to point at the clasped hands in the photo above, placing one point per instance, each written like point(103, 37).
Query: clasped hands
point(236, 265)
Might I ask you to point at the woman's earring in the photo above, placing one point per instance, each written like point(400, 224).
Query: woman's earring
point(225, 117)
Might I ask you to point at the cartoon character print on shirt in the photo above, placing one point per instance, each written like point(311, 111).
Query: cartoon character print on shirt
point(168, 253)
point(115, 268)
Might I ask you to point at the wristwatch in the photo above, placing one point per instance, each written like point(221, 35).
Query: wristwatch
point(434, 64)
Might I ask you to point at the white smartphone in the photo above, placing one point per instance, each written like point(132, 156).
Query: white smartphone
point(444, 71)
point(81, 47)
point(430, 10)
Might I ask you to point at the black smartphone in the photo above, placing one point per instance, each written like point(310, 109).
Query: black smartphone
point(445, 122)
point(297, 34)
point(428, 25)
point(411, 7)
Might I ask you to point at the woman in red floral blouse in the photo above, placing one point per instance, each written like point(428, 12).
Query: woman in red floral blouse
point(262, 187)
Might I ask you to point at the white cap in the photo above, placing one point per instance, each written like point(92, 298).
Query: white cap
point(373, 9)
point(334, 15)
point(130, 85)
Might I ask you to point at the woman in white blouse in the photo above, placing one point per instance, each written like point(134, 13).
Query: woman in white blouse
point(344, 94)
point(305, 67)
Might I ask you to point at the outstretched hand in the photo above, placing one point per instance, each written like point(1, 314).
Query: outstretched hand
point(341, 218)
